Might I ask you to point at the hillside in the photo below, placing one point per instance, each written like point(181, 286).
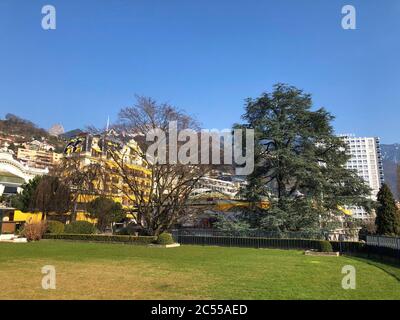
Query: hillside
point(16, 126)
point(20, 130)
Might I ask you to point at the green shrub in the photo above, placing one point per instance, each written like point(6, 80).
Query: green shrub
point(55, 227)
point(80, 227)
point(165, 238)
point(325, 246)
point(101, 238)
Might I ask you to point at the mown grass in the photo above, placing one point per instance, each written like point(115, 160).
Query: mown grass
point(116, 271)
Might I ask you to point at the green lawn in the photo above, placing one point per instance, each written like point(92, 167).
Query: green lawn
point(114, 271)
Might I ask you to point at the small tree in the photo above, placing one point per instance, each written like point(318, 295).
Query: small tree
point(106, 211)
point(387, 215)
point(51, 195)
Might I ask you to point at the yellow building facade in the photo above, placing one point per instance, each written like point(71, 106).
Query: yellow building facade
point(38, 158)
point(87, 150)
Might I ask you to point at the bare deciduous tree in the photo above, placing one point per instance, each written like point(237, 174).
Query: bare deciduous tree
point(160, 195)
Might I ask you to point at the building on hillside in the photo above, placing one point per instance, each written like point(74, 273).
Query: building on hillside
point(13, 173)
point(92, 149)
point(38, 158)
point(6, 141)
point(38, 145)
point(217, 194)
point(366, 160)
point(217, 185)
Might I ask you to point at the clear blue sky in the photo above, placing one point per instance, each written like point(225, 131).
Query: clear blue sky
point(204, 56)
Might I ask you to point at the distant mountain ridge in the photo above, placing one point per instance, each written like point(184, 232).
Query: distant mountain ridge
point(390, 160)
point(70, 134)
point(391, 152)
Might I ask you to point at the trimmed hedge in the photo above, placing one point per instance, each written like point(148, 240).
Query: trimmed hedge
point(80, 227)
point(102, 238)
point(55, 227)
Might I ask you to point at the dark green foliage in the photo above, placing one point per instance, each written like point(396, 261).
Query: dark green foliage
point(325, 246)
point(102, 238)
point(231, 225)
point(387, 215)
point(23, 201)
point(106, 211)
point(80, 227)
point(55, 227)
point(165, 238)
point(299, 164)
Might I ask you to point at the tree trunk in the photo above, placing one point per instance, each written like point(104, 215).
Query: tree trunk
point(74, 209)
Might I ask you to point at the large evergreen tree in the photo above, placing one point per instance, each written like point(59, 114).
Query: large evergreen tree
point(387, 215)
point(299, 163)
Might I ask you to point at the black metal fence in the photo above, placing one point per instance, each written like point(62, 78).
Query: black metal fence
point(379, 247)
point(249, 239)
point(252, 233)
point(383, 246)
point(383, 241)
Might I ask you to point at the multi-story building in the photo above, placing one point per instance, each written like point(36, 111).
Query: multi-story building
point(13, 173)
point(225, 184)
point(208, 185)
point(366, 160)
point(38, 158)
point(95, 149)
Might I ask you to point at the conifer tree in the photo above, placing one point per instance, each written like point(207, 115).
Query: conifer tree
point(387, 215)
point(299, 164)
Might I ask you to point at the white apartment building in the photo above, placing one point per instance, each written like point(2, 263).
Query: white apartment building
point(366, 160)
point(208, 184)
point(13, 173)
